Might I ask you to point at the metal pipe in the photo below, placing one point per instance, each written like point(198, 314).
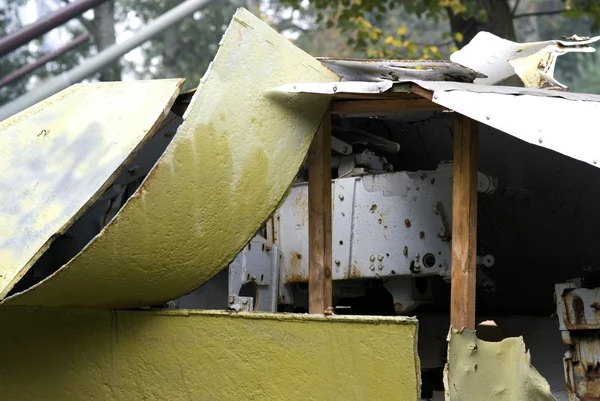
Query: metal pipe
point(26, 69)
point(45, 24)
point(102, 59)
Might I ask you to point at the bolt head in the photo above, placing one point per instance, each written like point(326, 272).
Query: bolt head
point(398, 308)
point(372, 258)
point(380, 267)
point(341, 197)
point(372, 267)
point(380, 258)
point(337, 262)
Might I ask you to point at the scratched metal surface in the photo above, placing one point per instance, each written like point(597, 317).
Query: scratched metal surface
point(223, 174)
point(57, 157)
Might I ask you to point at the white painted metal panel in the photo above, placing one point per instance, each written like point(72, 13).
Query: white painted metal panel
point(565, 126)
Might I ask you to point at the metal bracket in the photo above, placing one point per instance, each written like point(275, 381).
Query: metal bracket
point(254, 276)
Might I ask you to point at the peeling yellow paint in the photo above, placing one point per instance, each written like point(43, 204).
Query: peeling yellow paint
point(494, 371)
point(191, 355)
point(59, 156)
point(221, 177)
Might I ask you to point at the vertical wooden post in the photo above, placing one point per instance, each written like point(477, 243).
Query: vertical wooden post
point(319, 220)
point(464, 224)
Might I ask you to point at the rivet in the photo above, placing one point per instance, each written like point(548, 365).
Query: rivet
point(540, 140)
point(341, 197)
point(398, 307)
point(487, 117)
point(435, 96)
point(334, 88)
point(595, 161)
point(380, 258)
point(372, 258)
point(380, 267)
point(337, 262)
point(372, 267)
point(295, 87)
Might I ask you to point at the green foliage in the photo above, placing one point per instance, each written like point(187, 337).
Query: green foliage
point(185, 50)
point(14, 60)
point(363, 22)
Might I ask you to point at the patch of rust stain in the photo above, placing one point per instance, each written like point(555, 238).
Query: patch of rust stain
point(354, 272)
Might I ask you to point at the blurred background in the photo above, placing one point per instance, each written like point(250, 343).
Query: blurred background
point(401, 29)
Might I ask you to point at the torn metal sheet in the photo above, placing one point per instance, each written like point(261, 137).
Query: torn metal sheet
point(332, 88)
point(59, 156)
point(499, 59)
point(399, 70)
point(554, 123)
point(480, 370)
point(223, 174)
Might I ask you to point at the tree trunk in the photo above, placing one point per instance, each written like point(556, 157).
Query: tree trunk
point(104, 37)
point(499, 21)
point(171, 47)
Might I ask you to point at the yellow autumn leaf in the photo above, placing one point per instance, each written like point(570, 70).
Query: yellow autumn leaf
point(402, 30)
point(389, 39)
point(458, 37)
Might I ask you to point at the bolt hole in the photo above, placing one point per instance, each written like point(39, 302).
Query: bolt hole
point(387, 254)
point(341, 242)
point(429, 260)
point(262, 277)
point(393, 272)
point(247, 277)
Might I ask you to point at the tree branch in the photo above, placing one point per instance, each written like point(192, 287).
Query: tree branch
point(540, 13)
point(514, 10)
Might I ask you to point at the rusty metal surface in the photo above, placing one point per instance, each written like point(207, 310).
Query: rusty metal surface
point(384, 225)
point(399, 70)
point(230, 164)
point(578, 311)
point(59, 156)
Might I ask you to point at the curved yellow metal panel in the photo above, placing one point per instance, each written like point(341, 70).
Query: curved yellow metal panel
point(57, 158)
point(229, 166)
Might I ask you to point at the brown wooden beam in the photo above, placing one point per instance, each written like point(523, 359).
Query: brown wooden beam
point(425, 93)
point(320, 297)
point(383, 106)
point(464, 224)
